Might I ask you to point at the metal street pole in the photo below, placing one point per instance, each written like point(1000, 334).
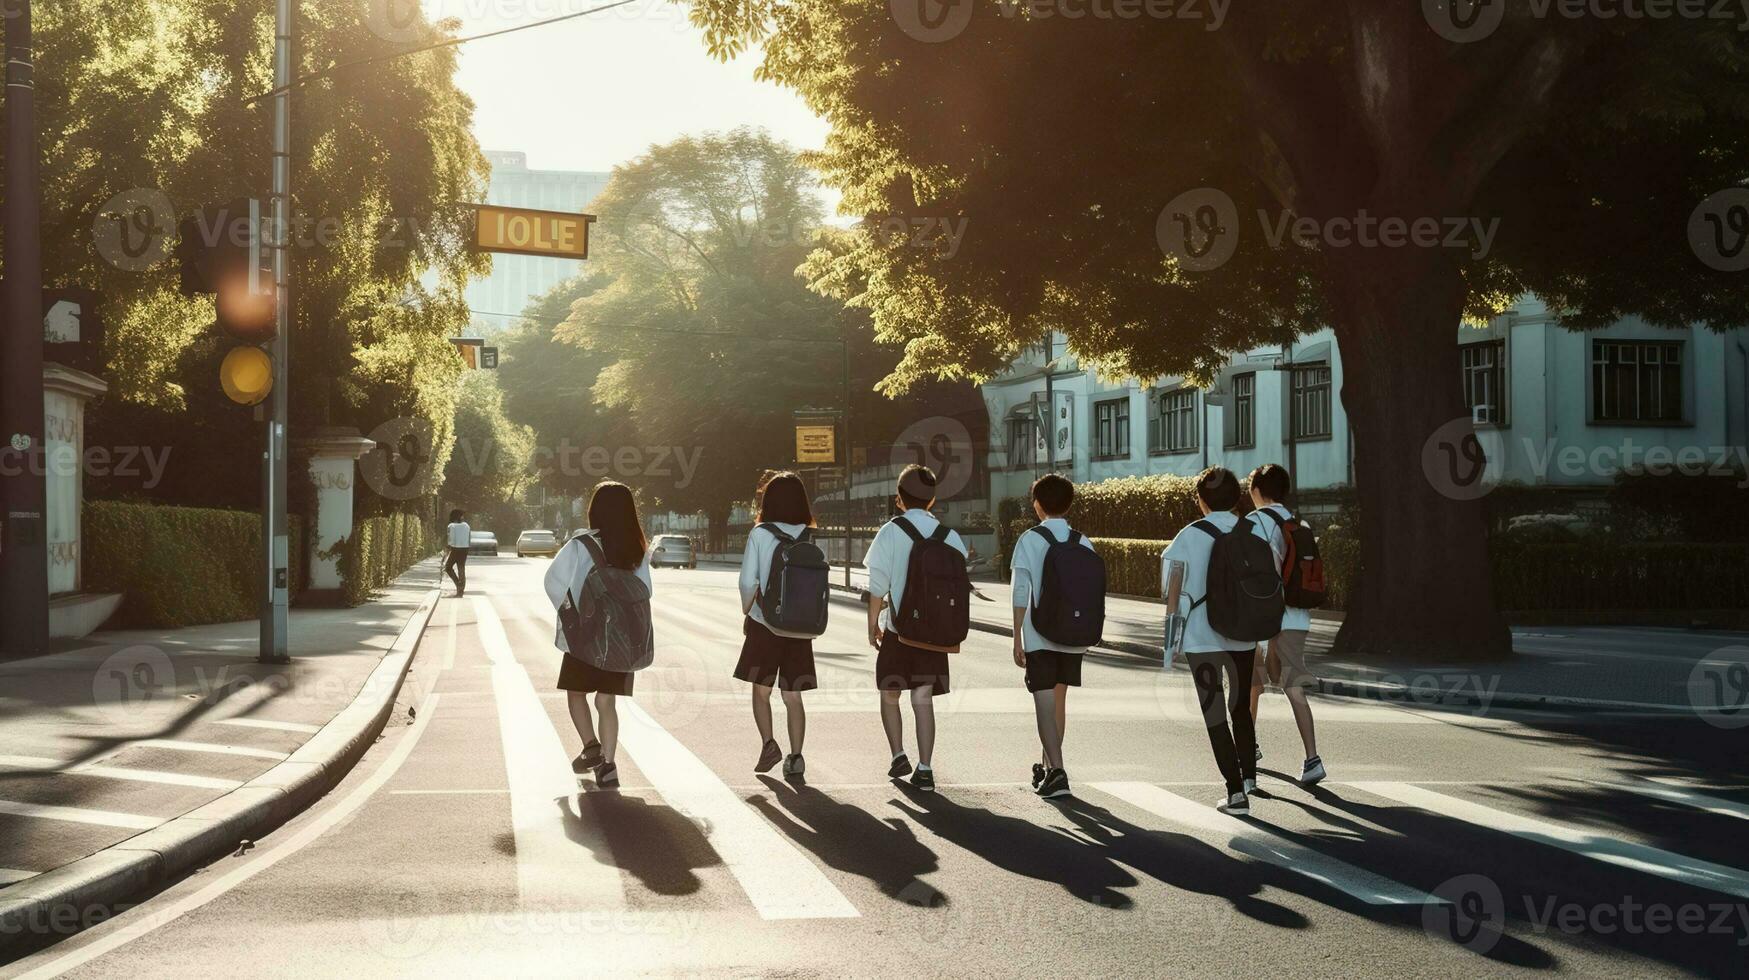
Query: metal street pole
point(24, 562)
point(275, 536)
point(1050, 405)
point(848, 461)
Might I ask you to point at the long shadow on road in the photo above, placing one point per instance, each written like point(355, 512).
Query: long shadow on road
point(851, 839)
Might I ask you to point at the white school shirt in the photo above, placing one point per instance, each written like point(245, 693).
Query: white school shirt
point(889, 558)
point(1193, 547)
point(1268, 530)
point(1028, 579)
point(567, 572)
point(460, 535)
point(756, 570)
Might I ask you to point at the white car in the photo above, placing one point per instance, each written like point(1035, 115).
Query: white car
point(544, 543)
point(672, 549)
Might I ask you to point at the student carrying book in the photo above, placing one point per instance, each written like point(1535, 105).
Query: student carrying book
point(919, 565)
point(1059, 610)
point(784, 596)
point(1229, 587)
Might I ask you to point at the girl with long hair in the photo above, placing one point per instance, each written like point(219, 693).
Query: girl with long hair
point(773, 658)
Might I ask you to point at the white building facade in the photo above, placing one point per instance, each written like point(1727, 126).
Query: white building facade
point(1555, 407)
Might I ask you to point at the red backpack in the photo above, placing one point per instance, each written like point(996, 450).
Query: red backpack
point(1302, 569)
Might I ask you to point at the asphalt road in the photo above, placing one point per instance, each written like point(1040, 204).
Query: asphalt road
point(1445, 843)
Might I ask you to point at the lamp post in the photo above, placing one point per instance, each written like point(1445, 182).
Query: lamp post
point(275, 535)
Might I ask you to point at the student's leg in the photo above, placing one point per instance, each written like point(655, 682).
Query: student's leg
point(1296, 681)
point(461, 567)
point(762, 712)
point(923, 708)
point(893, 721)
point(797, 718)
point(1205, 669)
point(1242, 667)
point(1062, 709)
point(1044, 706)
point(578, 702)
point(1263, 651)
point(449, 569)
point(608, 707)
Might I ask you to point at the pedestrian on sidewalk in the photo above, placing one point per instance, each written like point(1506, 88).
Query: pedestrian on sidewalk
point(1209, 653)
point(455, 563)
point(1283, 658)
point(921, 563)
point(615, 542)
point(784, 596)
point(1059, 610)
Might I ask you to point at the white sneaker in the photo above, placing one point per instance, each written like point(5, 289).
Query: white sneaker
point(1314, 772)
point(1237, 805)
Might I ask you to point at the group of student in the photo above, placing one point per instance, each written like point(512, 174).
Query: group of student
point(1250, 581)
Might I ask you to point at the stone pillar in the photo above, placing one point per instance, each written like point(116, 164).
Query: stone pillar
point(66, 392)
point(334, 456)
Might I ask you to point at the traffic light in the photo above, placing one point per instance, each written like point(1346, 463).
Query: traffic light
point(222, 251)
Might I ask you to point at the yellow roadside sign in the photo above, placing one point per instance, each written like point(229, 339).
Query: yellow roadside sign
point(816, 444)
point(520, 231)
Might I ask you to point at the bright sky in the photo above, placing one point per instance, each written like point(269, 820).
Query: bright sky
point(589, 93)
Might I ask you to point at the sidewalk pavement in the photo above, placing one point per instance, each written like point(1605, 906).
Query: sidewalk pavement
point(1554, 667)
point(134, 757)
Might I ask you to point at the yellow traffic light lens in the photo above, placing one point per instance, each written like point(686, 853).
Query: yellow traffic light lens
point(247, 375)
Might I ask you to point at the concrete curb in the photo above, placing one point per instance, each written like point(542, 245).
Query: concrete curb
point(51, 906)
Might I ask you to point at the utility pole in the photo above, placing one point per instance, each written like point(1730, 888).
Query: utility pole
point(24, 561)
point(275, 534)
point(849, 459)
point(1050, 418)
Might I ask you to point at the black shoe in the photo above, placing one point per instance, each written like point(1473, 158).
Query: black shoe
point(1056, 783)
point(607, 775)
point(923, 780)
point(900, 768)
point(1038, 775)
point(794, 766)
point(589, 759)
point(769, 756)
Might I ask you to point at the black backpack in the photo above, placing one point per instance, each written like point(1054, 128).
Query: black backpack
point(935, 611)
point(1070, 606)
point(795, 597)
point(1302, 568)
point(1244, 586)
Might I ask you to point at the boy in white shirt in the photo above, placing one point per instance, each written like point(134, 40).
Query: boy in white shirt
point(1208, 652)
point(459, 537)
point(1051, 668)
point(1284, 657)
point(900, 667)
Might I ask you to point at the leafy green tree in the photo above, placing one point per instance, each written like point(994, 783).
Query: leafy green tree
point(493, 455)
point(1061, 142)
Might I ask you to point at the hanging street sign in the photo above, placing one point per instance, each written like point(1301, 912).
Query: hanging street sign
point(816, 444)
point(521, 231)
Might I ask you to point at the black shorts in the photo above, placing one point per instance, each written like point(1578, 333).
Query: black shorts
point(1045, 669)
point(899, 667)
point(769, 660)
point(584, 678)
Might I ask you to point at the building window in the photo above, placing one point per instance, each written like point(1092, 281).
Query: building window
point(1111, 429)
point(1636, 381)
point(1176, 431)
point(1022, 442)
point(1484, 375)
point(1243, 432)
point(1311, 404)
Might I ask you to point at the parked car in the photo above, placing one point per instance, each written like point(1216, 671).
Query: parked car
point(537, 543)
point(482, 543)
point(672, 549)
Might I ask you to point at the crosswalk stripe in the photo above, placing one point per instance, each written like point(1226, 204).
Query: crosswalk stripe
point(10, 876)
point(74, 814)
point(780, 881)
point(45, 764)
point(1673, 791)
point(1599, 845)
point(561, 859)
point(213, 748)
point(278, 726)
point(1256, 839)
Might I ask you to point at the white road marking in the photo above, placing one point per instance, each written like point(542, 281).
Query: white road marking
point(213, 748)
point(448, 792)
point(780, 881)
point(76, 951)
point(278, 726)
point(552, 868)
point(44, 764)
point(74, 814)
point(1599, 845)
point(1675, 791)
point(11, 876)
point(1252, 838)
point(449, 645)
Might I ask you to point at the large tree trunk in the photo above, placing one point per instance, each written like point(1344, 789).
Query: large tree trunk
point(1424, 588)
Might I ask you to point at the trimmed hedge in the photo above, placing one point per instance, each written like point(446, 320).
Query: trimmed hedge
point(1601, 574)
point(1129, 508)
point(178, 566)
point(380, 549)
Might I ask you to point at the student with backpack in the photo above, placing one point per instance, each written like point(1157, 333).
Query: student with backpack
point(784, 596)
point(1059, 611)
point(600, 585)
point(918, 561)
point(1283, 658)
point(459, 537)
point(1234, 591)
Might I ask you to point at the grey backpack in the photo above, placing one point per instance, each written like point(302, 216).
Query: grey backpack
point(609, 627)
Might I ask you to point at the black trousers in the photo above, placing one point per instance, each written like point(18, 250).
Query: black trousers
point(456, 567)
point(1235, 746)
